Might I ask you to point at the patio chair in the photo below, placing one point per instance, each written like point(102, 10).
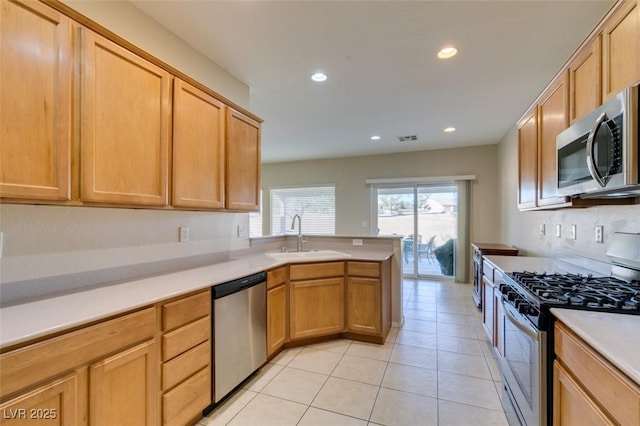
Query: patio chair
point(407, 246)
point(426, 250)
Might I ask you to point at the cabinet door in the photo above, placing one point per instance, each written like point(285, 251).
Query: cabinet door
point(35, 101)
point(553, 116)
point(125, 112)
point(276, 318)
point(621, 49)
point(243, 162)
point(528, 160)
point(571, 404)
point(585, 80)
point(56, 403)
point(317, 307)
point(198, 148)
point(487, 308)
point(498, 322)
point(123, 389)
point(363, 305)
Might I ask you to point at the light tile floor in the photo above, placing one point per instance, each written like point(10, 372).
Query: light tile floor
point(438, 369)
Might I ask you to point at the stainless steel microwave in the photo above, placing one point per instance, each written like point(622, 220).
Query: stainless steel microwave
point(597, 157)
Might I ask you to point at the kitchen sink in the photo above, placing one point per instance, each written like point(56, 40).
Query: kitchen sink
point(310, 254)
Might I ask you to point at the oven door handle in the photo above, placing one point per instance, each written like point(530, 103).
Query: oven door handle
point(512, 319)
point(591, 162)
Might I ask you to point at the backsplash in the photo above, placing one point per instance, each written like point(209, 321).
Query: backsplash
point(83, 244)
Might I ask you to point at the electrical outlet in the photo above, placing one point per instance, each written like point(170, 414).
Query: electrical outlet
point(558, 231)
point(574, 232)
point(242, 231)
point(357, 242)
point(599, 234)
point(542, 229)
point(184, 234)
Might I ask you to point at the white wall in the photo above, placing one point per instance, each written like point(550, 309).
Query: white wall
point(353, 196)
point(49, 241)
point(521, 228)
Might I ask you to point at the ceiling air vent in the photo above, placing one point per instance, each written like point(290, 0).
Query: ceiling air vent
point(408, 138)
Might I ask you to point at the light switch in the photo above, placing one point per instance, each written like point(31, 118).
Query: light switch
point(558, 231)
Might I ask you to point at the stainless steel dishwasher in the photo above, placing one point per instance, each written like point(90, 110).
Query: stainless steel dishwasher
point(240, 331)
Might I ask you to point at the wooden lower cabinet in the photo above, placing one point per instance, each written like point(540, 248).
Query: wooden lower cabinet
point(276, 318)
point(368, 305)
point(186, 358)
point(277, 309)
point(587, 388)
point(572, 405)
point(54, 403)
point(317, 307)
point(115, 372)
point(122, 388)
point(105, 373)
point(363, 301)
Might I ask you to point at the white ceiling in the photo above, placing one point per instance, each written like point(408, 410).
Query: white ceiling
point(380, 56)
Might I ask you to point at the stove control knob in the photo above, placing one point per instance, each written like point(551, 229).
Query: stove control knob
point(511, 295)
point(523, 307)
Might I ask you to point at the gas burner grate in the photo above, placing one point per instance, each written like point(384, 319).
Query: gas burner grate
point(586, 291)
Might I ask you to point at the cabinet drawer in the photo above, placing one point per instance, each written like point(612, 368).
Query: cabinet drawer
point(611, 389)
point(275, 277)
point(187, 400)
point(185, 338)
point(316, 270)
point(31, 364)
point(487, 270)
point(183, 366)
point(364, 269)
point(185, 310)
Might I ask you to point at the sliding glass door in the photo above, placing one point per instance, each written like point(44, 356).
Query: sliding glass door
point(426, 215)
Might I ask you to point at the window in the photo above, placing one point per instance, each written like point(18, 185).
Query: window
point(255, 221)
point(316, 206)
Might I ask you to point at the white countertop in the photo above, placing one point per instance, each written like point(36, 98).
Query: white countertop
point(23, 322)
point(614, 336)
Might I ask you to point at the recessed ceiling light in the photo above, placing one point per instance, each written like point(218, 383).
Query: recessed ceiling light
point(375, 138)
point(450, 129)
point(447, 52)
point(319, 77)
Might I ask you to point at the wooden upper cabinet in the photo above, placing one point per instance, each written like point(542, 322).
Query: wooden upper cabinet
point(243, 162)
point(553, 118)
point(621, 49)
point(528, 159)
point(125, 116)
point(198, 148)
point(35, 101)
point(585, 80)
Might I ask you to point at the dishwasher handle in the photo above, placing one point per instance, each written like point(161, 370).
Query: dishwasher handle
point(225, 289)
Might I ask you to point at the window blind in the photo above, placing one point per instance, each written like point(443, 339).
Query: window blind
point(316, 206)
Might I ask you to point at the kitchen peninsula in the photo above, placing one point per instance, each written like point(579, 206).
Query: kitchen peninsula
point(50, 345)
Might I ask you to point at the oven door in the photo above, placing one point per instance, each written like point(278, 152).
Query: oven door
point(524, 366)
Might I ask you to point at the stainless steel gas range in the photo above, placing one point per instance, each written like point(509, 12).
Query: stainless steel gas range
point(527, 330)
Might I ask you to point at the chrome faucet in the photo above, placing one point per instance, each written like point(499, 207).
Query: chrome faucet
point(293, 226)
